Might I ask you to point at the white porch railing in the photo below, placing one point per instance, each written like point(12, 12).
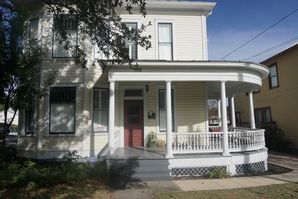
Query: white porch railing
point(197, 142)
point(240, 140)
point(246, 140)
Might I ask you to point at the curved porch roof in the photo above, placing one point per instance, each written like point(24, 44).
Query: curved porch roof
point(239, 76)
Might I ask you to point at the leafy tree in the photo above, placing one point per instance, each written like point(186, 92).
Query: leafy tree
point(100, 21)
point(19, 65)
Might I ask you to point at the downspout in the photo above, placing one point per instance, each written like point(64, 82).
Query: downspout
point(204, 38)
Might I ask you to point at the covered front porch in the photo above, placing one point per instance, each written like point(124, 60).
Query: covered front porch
point(226, 145)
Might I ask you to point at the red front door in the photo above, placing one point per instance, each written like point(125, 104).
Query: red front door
point(133, 123)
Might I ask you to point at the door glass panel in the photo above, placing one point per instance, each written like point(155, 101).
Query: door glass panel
point(133, 114)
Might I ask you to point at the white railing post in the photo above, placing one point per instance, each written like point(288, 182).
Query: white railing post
point(224, 119)
point(169, 140)
point(111, 116)
point(233, 118)
point(251, 111)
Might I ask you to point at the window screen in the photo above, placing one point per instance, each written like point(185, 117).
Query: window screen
point(162, 105)
point(70, 24)
point(62, 110)
point(165, 41)
point(100, 110)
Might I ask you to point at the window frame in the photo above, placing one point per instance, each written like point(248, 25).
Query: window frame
point(262, 109)
point(238, 113)
point(29, 28)
point(53, 39)
point(27, 132)
point(136, 42)
point(108, 109)
point(75, 111)
point(173, 109)
point(270, 78)
point(158, 42)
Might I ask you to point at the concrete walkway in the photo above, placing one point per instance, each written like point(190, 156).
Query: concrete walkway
point(145, 190)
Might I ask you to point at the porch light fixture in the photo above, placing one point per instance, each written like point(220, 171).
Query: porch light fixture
point(147, 88)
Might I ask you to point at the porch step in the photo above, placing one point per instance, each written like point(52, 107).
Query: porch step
point(141, 169)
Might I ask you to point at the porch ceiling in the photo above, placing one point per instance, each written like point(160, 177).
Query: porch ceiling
point(239, 76)
point(232, 88)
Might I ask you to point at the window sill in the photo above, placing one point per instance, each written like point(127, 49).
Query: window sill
point(61, 135)
point(27, 134)
point(270, 88)
point(99, 133)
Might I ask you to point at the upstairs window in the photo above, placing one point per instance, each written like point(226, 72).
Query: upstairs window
point(69, 24)
point(62, 110)
point(273, 76)
point(33, 29)
point(165, 41)
point(100, 109)
point(131, 45)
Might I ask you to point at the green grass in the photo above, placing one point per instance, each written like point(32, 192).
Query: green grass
point(282, 191)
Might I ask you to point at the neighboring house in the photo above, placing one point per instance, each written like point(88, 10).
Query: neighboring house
point(14, 124)
point(107, 114)
point(277, 100)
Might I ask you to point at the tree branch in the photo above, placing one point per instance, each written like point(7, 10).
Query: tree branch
point(7, 5)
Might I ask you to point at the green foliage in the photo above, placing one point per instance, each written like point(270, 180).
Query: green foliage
point(32, 174)
point(151, 139)
point(20, 62)
point(276, 138)
point(100, 22)
point(218, 172)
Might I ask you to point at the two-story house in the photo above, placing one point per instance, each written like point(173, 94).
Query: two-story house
point(111, 114)
point(277, 100)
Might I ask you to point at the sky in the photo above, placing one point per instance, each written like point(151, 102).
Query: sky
point(234, 22)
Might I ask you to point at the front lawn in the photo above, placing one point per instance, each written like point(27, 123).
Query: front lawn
point(23, 178)
point(84, 189)
point(283, 191)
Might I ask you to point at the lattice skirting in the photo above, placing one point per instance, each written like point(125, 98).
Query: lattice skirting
point(257, 167)
point(192, 171)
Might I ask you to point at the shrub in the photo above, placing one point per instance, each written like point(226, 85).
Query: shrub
point(218, 172)
point(276, 138)
point(151, 139)
point(32, 174)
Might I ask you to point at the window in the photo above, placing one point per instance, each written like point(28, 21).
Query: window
point(100, 109)
point(238, 117)
point(162, 105)
point(62, 110)
point(273, 76)
point(29, 116)
point(33, 29)
point(133, 93)
point(131, 45)
point(263, 116)
point(213, 112)
point(70, 25)
point(165, 41)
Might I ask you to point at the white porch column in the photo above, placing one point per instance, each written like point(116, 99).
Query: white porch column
point(169, 153)
point(251, 111)
point(219, 112)
point(111, 115)
point(233, 118)
point(224, 119)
